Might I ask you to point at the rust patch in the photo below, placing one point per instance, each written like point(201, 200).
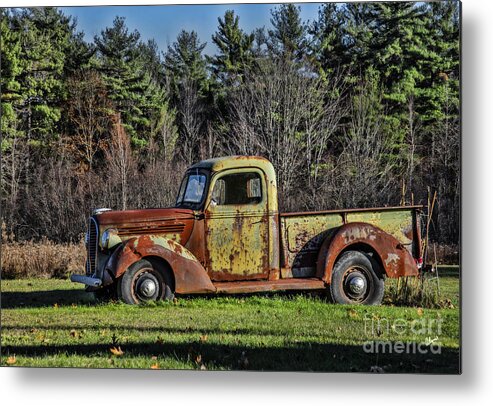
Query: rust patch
point(189, 275)
point(143, 216)
point(237, 235)
point(396, 260)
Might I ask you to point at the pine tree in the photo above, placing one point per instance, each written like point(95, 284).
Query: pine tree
point(184, 62)
point(441, 69)
point(288, 36)
point(235, 50)
point(79, 54)
point(360, 38)
point(11, 69)
point(402, 50)
point(328, 50)
point(150, 57)
point(45, 35)
point(399, 49)
point(134, 94)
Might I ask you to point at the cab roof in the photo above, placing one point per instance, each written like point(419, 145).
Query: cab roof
point(236, 161)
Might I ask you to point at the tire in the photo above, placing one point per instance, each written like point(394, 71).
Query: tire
point(357, 279)
point(143, 282)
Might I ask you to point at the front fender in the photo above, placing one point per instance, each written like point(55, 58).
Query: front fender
point(396, 260)
point(189, 274)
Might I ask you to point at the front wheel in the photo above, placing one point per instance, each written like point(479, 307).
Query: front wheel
point(143, 282)
point(357, 279)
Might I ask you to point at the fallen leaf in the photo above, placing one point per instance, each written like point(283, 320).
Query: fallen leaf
point(203, 338)
point(55, 305)
point(420, 311)
point(116, 351)
point(203, 367)
point(155, 366)
point(198, 359)
point(11, 360)
point(352, 313)
point(74, 333)
point(154, 358)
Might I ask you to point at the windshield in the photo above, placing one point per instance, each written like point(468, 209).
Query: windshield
point(192, 189)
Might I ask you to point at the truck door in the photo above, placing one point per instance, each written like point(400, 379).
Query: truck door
point(237, 226)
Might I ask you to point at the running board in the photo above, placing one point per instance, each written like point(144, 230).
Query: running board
point(267, 286)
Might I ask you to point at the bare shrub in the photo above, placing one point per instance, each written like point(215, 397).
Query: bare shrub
point(288, 115)
point(87, 110)
point(192, 117)
point(121, 163)
point(363, 174)
point(156, 185)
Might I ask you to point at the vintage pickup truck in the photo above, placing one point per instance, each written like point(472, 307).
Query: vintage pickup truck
point(225, 234)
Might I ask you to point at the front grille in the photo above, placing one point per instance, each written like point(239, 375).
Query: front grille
point(92, 247)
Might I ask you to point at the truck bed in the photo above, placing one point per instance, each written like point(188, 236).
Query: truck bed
point(302, 233)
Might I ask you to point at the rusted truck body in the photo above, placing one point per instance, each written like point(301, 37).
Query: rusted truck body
point(226, 235)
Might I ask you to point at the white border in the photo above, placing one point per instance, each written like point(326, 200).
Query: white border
point(122, 387)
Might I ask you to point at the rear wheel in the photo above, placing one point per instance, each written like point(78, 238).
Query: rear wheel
point(357, 279)
point(143, 282)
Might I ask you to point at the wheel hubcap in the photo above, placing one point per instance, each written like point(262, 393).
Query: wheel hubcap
point(356, 285)
point(147, 287)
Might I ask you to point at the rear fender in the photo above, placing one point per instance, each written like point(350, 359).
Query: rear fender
point(396, 260)
point(189, 274)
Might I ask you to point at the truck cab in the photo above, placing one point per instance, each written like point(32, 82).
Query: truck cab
point(225, 235)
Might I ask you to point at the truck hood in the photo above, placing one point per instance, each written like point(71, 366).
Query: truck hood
point(121, 218)
point(176, 224)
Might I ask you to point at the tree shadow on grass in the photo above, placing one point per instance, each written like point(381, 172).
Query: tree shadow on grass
point(299, 357)
point(46, 298)
point(162, 330)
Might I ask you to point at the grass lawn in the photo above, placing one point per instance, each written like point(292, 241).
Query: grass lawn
point(54, 323)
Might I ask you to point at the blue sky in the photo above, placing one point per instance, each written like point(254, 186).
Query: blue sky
point(163, 23)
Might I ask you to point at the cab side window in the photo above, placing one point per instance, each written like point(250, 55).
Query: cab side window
point(238, 189)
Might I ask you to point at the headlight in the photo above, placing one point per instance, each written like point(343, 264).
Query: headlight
point(109, 238)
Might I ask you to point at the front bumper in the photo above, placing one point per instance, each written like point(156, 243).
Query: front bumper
point(87, 280)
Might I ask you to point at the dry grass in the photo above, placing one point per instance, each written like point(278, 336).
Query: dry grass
point(44, 259)
point(412, 291)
